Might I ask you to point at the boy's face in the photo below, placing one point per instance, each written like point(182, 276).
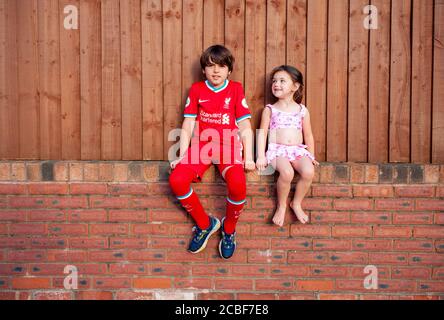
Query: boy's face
point(216, 74)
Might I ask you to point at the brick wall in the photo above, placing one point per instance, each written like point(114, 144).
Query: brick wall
point(120, 226)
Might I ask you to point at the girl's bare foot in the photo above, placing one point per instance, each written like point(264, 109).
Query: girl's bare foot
point(300, 214)
point(279, 216)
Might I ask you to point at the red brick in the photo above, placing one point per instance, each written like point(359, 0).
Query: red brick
point(347, 257)
point(14, 242)
point(392, 232)
point(94, 295)
point(109, 202)
point(240, 256)
point(314, 285)
point(4, 229)
point(328, 296)
point(99, 215)
point(146, 255)
point(26, 255)
point(169, 269)
point(371, 217)
point(12, 215)
point(215, 296)
point(412, 218)
point(177, 243)
point(152, 283)
point(383, 285)
point(127, 215)
point(289, 271)
point(351, 231)
point(69, 229)
point(193, 283)
point(12, 269)
point(58, 269)
point(326, 173)
point(254, 243)
point(128, 189)
point(68, 202)
point(331, 191)
point(88, 188)
point(31, 283)
point(151, 202)
point(426, 259)
point(361, 273)
point(291, 244)
point(415, 191)
point(108, 229)
point(49, 243)
point(7, 295)
point(105, 171)
point(254, 216)
point(274, 284)
point(256, 296)
point(112, 283)
point(388, 258)
point(378, 191)
point(307, 257)
point(210, 270)
point(395, 204)
point(33, 172)
point(430, 205)
point(48, 188)
point(133, 295)
point(88, 243)
point(353, 204)
point(317, 204)
point(371, 173)
point(310, 231)
point(439, 245)
point(331, 244)
point(28, 228)
point(250, 270)
point(270, 231)
point(431, 286)
point(357, 173)
point(267, 256)
point(168, 216)
point(261, 190)
point(28, 202)
point(153, 229)
point(61, 171)
point(123, 243)
point(330, 217)
point(299, 296)
point(46, 215)
point(428, 232)
point(263, 203)
point(5, 171)
point(411, 273)
point(372, 245)
point(18, 171)
point(328, 272)
point(439, 218)
point(413, 245)
point(11, 188)
point(233, 284)
point(83, 284)
point(107, 256)
point(438, 273)
point(67, 256)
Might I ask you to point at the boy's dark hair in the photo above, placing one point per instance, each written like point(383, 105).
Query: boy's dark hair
point(296, 76)
point(217, 54)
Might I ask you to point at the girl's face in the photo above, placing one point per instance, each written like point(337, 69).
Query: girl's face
point(216, 74)
point(283, 86)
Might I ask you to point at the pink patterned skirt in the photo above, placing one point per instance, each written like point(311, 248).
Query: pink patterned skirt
point(290, 152)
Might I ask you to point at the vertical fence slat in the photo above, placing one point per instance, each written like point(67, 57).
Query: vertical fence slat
point(70, 84)
point(90, 79)
point(400, 73)
point(317, 72)
point(49, 75)
point(172, 67)
point(297, 36)
point(337, 81)
point(235, 36)
point(357, 83)
point(276, 39)
point(422, 56)
point(152, 92)
point(28, 80)
point(255, 33)
point(379, 83)
point(9, 121)
point(438, 86)
point(131, 70)
point(213, 16)
point(111, 141)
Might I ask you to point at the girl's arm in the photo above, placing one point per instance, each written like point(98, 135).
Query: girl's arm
point(308, 135)
point(185, 138)
point(262, 138)
point(247, 140)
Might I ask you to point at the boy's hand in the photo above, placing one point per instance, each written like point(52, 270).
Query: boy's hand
point(261, 163)
point(249, 165)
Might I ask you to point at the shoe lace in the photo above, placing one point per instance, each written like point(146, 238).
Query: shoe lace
point(228, 240)
point(199, 233)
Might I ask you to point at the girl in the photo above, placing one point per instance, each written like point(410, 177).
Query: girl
point(289, 124)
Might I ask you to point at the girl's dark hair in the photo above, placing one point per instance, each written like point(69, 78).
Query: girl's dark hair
point(296, 76)
point(217, 54)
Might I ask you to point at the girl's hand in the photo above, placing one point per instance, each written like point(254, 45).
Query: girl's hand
point(315, 163)
point(261, 163)
point(249, 165)
point(174, 163)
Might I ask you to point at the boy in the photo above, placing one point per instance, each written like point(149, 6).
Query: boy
point(215, 113)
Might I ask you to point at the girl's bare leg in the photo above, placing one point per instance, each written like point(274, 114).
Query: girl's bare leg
point(305, 168)
point(286, 174)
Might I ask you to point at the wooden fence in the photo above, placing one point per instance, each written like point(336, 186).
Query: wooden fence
point(113, 88)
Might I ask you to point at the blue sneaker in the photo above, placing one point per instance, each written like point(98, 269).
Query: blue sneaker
point(200, 238)
point(227, 244)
